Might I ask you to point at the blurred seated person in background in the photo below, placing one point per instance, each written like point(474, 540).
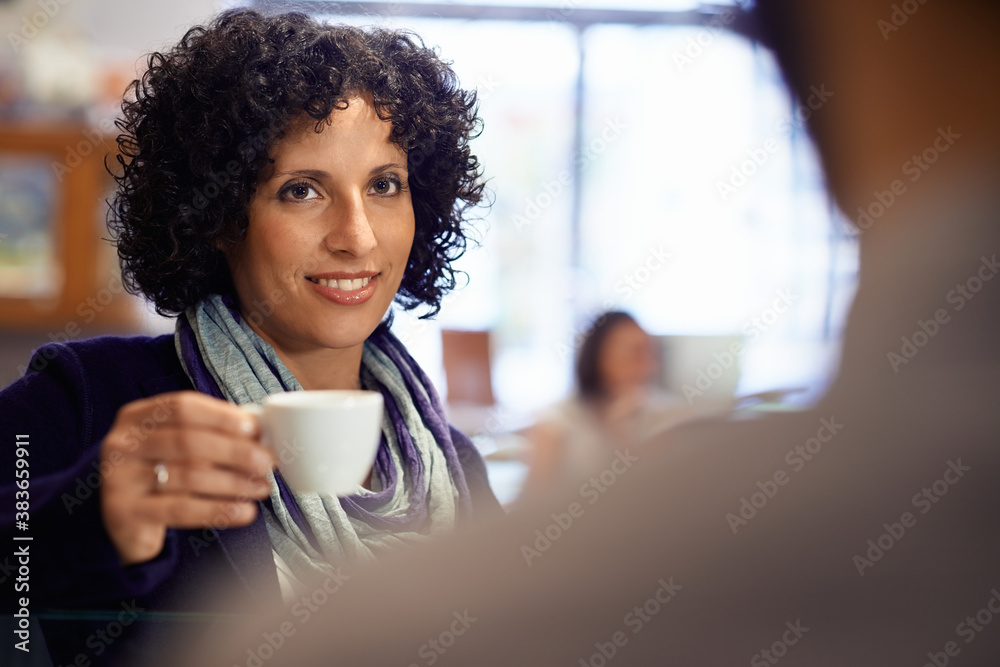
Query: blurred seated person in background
point(616, 404)
point(282, 183)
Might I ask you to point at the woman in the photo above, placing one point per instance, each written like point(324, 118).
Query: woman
point(614, 406)
point(282, 182)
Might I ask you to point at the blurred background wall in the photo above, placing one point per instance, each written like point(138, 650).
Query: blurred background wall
point(113, 24)
point(63, 67)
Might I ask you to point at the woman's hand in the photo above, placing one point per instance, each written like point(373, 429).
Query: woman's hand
point(179, 460)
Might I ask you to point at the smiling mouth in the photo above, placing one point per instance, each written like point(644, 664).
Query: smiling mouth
point(343, 284)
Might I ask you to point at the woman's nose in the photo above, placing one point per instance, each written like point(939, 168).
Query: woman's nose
point(350, 228)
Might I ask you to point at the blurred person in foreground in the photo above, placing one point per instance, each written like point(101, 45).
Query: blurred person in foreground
point(615, 405)
point(864, 532)
point(282, 183)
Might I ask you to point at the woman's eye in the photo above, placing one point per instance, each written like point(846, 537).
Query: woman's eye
point(385, 186)
point(300, 192)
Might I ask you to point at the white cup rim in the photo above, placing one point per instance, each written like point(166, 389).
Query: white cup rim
point(323, 397)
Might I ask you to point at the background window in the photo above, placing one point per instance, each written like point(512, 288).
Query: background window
point(651, 161)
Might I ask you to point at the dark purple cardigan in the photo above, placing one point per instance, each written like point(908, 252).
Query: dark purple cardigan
point(65, 404)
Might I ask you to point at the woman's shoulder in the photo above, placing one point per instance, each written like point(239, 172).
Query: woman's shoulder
point(114, 352)
point(71, 391)
point(114, 364)
point(116, 345)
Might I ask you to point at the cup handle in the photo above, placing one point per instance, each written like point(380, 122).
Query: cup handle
point(254, 408)
point(257, 411)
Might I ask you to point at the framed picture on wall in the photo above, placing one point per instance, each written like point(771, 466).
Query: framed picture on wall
point(29, 262)
point(53, 187)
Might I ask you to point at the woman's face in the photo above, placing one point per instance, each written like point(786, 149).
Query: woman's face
point(627, 361)
point(329, 235)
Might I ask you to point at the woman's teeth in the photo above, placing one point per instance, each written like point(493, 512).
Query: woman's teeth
point(345, 285)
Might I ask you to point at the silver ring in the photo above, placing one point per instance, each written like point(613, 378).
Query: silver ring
point(162, 476)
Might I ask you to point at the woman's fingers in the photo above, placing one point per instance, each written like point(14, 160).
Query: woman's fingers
point(179, 460)
point(182, 511)
point(210, 482)
point(193, 427)
point(173, 444)
point(191, 409)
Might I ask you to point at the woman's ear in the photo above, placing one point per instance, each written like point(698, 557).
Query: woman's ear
point(225, 247)
point(230, 238)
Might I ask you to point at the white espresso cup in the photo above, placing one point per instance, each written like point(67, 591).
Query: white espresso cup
point(325, 440)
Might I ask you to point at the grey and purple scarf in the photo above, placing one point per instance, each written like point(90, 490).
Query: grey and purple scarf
point(418, 486)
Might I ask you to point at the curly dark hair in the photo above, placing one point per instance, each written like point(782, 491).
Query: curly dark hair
point(197, 127)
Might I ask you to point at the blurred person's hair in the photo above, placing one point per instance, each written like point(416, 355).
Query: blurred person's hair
point(590, 384)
